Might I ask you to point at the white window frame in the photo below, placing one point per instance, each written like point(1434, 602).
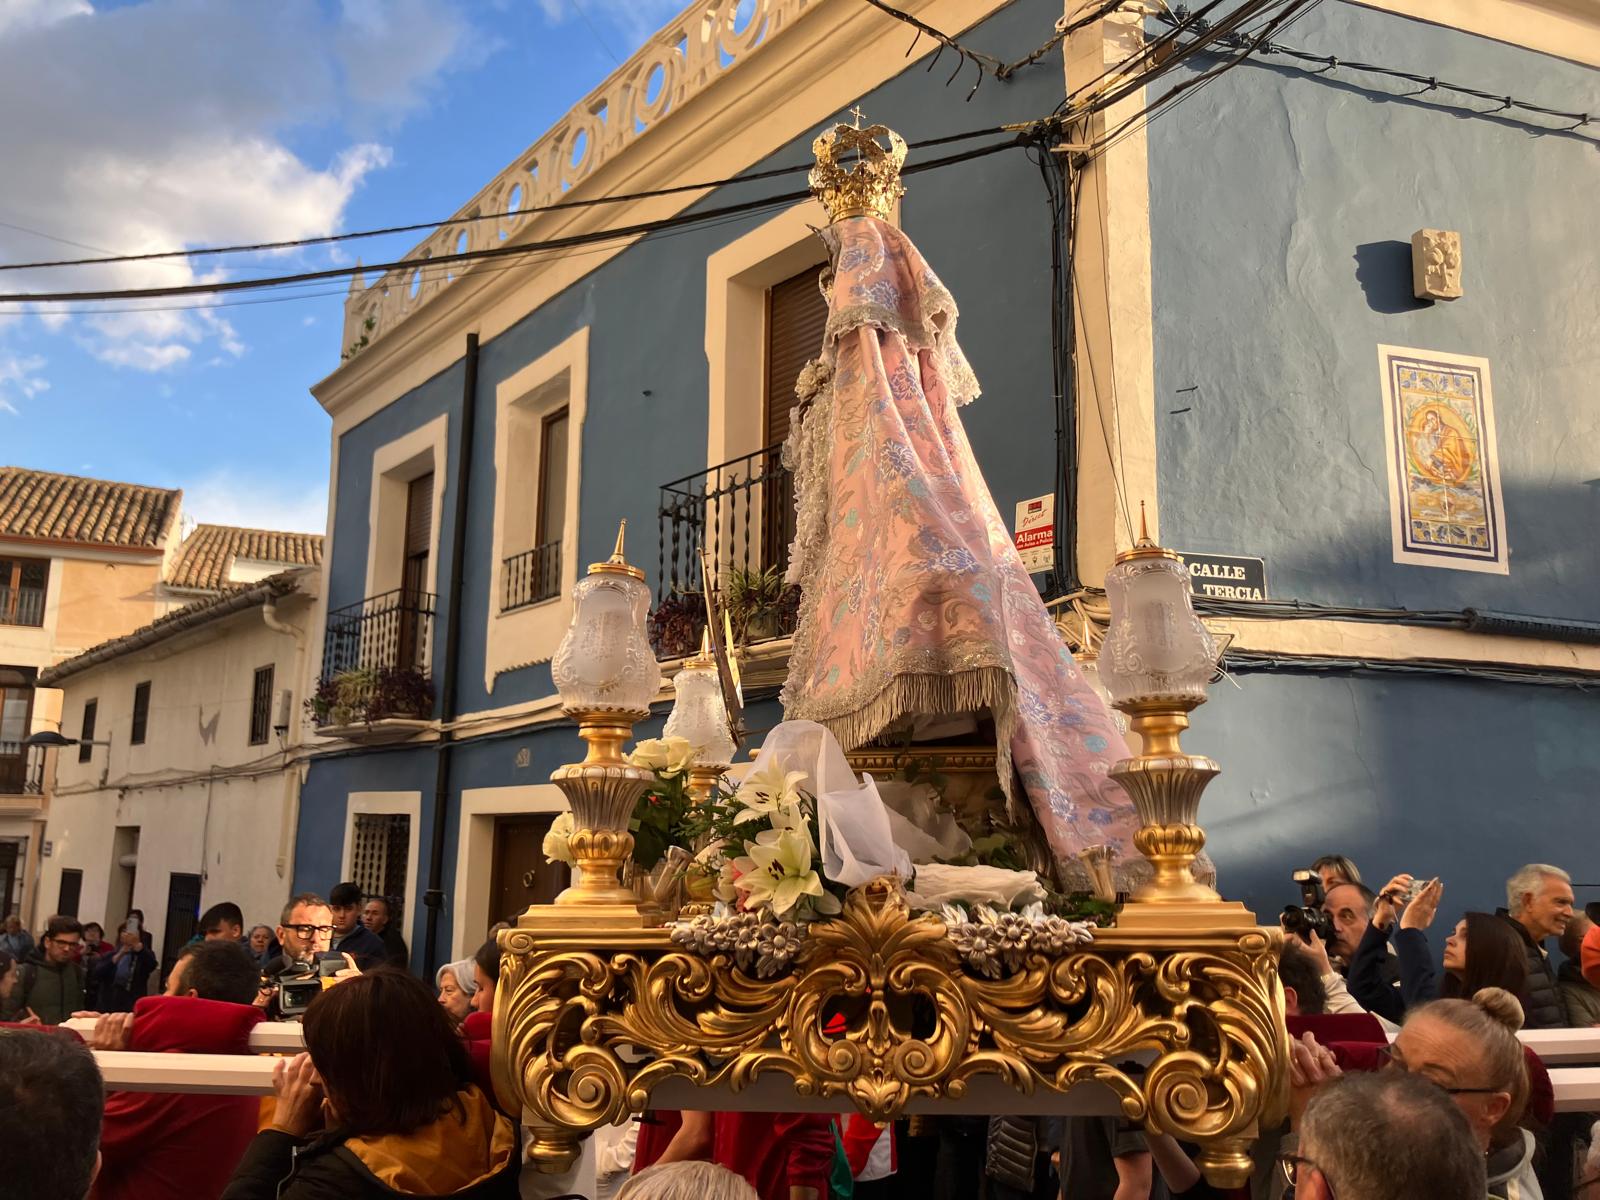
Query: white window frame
point(480, 807)
point(557, 379)
point(394, 465)
point(387, 804)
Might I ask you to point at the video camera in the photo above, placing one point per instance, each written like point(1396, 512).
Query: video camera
point(1308, 917)
point(301, 982)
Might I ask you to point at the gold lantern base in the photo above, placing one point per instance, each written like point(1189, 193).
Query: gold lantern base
point(1166, 785)
point(602, 791)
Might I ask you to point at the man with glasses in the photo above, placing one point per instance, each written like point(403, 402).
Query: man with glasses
point(304, 931)
point(51, 983)
point(1382, 1136)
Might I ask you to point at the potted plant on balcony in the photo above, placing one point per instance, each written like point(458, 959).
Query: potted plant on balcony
point(362, 695)
point(756, 602)
point(676, 624)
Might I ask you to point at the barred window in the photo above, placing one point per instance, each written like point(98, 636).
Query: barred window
point(382, 843)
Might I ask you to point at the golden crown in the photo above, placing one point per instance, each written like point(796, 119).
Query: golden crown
point(866, 184)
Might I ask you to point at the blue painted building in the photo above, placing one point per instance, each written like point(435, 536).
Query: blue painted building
point(1235, 268)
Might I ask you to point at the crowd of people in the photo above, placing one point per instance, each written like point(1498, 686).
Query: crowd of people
point(1407, 1078)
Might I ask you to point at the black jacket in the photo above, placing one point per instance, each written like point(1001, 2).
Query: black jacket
point(1542, 1005)
point(1377, 982)
point(395, 944)
point(364, 946)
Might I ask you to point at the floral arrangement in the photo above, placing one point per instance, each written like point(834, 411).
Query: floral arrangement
point(762, 841)
point(755, 940)
point(994, 942)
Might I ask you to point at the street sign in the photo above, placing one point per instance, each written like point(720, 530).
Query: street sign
point(1036, 534)
point(1226, 576)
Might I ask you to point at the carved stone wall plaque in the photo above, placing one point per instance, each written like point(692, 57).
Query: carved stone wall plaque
point(1436, 264)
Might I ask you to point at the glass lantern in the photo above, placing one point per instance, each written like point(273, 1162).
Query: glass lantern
point(699, 714)
point(1157, 651)
point(604, 663)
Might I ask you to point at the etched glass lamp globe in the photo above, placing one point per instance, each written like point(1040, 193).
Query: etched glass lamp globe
point(1157, 652)
point(699, 714)
point(604, 663)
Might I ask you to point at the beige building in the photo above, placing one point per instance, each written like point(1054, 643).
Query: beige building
point(193, 799)
point(81, 560)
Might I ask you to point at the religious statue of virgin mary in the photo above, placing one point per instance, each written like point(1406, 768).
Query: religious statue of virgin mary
point(915, 601)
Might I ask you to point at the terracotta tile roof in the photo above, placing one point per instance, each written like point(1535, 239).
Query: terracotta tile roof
point(192, 616)
point(206, 559)
point(96, 512)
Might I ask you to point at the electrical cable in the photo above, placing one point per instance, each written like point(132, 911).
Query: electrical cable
point(1254, 660)
point(1429, 83)
point(493, 252)
point(419, 226)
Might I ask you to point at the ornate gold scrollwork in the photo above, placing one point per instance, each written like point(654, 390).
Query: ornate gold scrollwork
point(879, 1009)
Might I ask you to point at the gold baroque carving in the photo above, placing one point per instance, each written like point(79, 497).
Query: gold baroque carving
point(916, 1024)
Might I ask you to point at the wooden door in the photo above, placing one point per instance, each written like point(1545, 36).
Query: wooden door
point(797, 316)
point(521, 876)
point(183, 918)
point(414, 572)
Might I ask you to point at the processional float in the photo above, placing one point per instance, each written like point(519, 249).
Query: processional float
point(915, 606)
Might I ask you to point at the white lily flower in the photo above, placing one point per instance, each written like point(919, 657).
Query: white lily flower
point(783, 873)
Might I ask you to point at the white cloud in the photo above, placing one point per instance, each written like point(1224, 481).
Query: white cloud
point(233, 498)
point(175, 133)
point(30, 14)
point(634, 19)
point(20, 378)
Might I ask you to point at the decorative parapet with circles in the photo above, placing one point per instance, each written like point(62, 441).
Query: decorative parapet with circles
point(703, 43)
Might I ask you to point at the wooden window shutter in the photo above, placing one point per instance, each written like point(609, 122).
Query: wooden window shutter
point(419, 516)
point(797, 316)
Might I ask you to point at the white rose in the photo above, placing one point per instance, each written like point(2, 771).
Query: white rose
point(558, 842)
point(680, 755)
point(651, 754)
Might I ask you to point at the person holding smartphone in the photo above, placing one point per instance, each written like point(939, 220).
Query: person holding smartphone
point(1481, 952)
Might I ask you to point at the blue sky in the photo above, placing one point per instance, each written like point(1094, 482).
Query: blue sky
point(158, 124)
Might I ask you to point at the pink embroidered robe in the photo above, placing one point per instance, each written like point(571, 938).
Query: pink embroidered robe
point(915, 600)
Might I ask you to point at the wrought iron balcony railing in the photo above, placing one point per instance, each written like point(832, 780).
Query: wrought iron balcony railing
point(21, 769)
point(24, 606)
point(391, 631)
point(742, 512)
point(532, 577)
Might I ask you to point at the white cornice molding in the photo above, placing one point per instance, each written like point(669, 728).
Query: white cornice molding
point(1567, 29)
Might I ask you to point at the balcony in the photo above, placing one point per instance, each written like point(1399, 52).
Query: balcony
point(21, 779)
point(742, 513)
point(532, 577)
point(375, 683)
point(22, 606)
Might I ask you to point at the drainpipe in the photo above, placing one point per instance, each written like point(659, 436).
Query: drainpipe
point(433, 898)
point(290, 805)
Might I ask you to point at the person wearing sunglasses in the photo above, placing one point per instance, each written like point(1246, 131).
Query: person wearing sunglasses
point(1383, 1136)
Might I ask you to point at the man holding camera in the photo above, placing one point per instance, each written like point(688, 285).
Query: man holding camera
point(305, 933)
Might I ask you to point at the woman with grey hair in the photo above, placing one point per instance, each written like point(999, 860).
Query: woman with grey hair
point(456, 985)
point(687, 1181)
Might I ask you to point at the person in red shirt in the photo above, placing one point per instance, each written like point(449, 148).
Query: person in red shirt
point(155, 1146)
point(784, 1156)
